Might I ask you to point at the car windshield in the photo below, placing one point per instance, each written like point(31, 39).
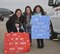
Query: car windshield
point(54, 3)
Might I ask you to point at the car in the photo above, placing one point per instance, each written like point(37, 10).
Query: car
point(1, 17)
point(55, 17)
point(5, 12)
point(55, 14)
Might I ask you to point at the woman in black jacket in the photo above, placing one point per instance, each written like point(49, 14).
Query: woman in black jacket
point(27, 18)
point(39, 10)
point(15, 23)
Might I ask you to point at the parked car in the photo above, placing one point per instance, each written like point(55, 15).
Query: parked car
point(5, 12)
point(55, 17)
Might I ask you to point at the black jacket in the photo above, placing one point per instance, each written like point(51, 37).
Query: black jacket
point(10, 25)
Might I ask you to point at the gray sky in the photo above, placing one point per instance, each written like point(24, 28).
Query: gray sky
point(14, 4)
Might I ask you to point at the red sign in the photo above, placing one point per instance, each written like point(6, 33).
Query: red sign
point(16, 43)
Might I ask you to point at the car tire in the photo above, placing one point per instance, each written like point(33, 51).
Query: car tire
point(53, 34)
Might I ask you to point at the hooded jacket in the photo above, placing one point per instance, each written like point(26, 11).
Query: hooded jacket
point(10, 24)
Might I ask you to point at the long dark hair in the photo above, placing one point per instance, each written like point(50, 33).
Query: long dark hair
point(16, 18)
point(41, 9)
point(25, 13)
point(29, 8)
point(18, 10)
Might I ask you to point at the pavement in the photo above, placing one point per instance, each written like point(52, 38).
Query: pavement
point(50, 46)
